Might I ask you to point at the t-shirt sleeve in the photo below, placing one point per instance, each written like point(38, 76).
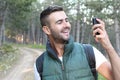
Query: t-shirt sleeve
point(36, 74)
point(99, 57)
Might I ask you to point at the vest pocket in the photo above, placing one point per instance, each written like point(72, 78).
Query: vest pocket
point(80, 74)
point(53, 77)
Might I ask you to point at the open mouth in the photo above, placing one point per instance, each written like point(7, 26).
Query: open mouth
point(66, 32)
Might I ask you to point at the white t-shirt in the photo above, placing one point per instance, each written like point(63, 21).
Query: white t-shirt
point(99, 57)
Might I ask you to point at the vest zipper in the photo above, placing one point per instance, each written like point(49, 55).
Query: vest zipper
point(62, 66)
point(63, 70)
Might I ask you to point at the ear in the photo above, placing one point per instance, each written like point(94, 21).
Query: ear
point(46, 30)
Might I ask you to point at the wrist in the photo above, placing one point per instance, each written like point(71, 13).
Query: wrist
point(108, 46)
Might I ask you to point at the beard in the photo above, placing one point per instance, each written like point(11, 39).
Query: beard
point(59, 37)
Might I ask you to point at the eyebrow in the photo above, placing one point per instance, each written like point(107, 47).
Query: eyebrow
point(61, 20)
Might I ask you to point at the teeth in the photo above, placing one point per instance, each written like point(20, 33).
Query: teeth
point(66, 31)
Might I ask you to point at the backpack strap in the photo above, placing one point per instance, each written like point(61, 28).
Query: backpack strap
point(91, 59)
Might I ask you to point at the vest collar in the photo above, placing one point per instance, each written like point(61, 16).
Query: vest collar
point(67, 49)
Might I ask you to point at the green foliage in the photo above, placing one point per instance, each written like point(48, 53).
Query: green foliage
point(6, 61)
point(7, 56)
point(23, 16)
point(37, 46)
point(100, 77)
point(95, 5)
point(6, 48)
point(17, 13)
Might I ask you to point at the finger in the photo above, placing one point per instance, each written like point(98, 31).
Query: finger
point(98, 26)
point(100, 21)
point(98, 30)
point(96, 39)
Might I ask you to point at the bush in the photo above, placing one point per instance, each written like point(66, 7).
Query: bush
point(100, 77)
point(7, 56)
point(6, 48)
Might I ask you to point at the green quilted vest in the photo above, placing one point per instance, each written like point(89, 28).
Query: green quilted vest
point(73, 67)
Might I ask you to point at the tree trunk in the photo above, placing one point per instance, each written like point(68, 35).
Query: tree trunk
point(38, 35)
point(28, 34)
point(3, 32)
point(2, 29)
point(89, 38)
point(117, 35)
point(83, 32)
point(78, 24)
point(33, 32)
point(43, 38)
point(73, 28)
point(24, 37)
point(78, 31)
point(0, 36)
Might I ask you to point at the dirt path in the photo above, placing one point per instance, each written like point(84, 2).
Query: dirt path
point(23, 70)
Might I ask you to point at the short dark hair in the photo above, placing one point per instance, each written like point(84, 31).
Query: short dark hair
point(46, 12)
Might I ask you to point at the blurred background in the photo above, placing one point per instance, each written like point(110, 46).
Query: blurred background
point(19, 20)
point(20, 24)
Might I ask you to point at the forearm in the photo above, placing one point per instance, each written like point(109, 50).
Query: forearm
point(114, 59)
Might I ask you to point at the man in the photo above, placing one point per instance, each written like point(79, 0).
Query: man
point(65, 59)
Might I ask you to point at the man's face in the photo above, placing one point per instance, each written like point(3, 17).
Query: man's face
point(59, 26)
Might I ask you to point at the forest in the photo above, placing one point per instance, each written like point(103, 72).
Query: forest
point(20, 24)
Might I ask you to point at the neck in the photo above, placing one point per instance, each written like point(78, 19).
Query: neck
point(58, 47)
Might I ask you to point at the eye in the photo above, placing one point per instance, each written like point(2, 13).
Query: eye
point(67, 20)
point(59, 22)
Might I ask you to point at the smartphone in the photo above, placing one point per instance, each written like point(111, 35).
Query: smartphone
point(94, 21)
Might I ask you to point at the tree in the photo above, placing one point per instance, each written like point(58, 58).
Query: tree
point(17, 22)
point(116, 9)
point(3, 11)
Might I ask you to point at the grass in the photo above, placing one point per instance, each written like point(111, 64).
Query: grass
point(100, 77)
point(6, 61)
point(8, 56)
point(36, 46)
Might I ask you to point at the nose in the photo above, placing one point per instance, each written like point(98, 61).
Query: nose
point(66, 24)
